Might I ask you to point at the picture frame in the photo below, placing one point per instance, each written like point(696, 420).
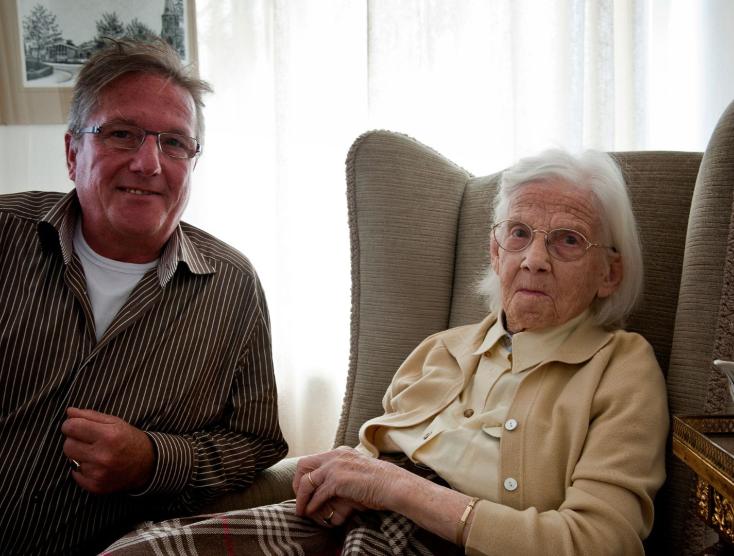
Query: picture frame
point(23, 101)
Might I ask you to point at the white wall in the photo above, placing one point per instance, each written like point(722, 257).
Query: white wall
point(690, 64)
point(717, 70)
point(32, 157)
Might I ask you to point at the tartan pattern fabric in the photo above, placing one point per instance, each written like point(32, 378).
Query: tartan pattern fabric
point(389, 533)
point(266, 530)
point(276, 530)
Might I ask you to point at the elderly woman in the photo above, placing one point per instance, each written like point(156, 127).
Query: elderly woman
point(540, 430)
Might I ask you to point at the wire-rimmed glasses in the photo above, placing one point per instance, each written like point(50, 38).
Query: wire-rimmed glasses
point(130, 137)
point(563, 244)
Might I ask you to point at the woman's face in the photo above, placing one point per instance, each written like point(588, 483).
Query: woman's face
point(537, 290)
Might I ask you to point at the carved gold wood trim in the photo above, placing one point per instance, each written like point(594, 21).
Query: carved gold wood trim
point(723, 517)
point(699, 451)
point(702, 497)
point(716, 510)
point(704, 444)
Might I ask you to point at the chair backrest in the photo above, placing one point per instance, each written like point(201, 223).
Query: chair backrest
point(704, 326)
point(419, 231)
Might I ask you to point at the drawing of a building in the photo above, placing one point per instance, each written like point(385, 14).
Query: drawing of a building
point(172, 25)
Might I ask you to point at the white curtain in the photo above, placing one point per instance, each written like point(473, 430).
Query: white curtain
point(482, 81)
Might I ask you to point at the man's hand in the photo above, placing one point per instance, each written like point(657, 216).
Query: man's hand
point(113, 455)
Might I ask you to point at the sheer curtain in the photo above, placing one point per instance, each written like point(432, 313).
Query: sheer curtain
point(482, 81)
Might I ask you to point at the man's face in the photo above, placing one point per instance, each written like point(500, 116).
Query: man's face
point(537, 290)
point(132, 200)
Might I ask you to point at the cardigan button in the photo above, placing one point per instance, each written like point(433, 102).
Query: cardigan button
point(510, 484)
point(468, 413)
point(510, 424)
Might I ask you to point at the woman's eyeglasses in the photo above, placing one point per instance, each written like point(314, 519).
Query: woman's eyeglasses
point(562, 243)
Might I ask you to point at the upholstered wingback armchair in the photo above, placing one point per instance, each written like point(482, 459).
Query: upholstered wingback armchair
point(419, 229)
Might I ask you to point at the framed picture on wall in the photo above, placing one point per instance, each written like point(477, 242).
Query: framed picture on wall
point(44, 43)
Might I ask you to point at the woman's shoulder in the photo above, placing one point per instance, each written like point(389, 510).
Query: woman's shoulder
point(626, 340)
point(461, 338)
point(632, 357)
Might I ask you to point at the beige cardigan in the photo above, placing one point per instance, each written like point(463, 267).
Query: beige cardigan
point(587, 456)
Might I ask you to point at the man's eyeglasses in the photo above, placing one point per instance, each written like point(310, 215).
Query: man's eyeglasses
point(130, 137)
point(562, 244)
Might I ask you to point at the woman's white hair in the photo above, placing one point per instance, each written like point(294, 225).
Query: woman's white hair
point(599, 173)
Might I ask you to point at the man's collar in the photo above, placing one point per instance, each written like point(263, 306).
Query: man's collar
point(178, 249)
point(62, 219)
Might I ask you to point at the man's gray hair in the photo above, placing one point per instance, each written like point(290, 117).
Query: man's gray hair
point(599, 173)
point(123, 56)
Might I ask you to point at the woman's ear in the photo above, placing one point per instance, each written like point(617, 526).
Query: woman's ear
point(613, 277)
point(494, 254)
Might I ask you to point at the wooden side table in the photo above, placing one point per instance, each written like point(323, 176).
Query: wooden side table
point(706, 444)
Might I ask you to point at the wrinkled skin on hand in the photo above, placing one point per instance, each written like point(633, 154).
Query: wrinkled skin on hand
point(114, 456)
point(344, 480)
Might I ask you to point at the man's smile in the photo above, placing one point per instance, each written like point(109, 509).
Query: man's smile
point(137, 191)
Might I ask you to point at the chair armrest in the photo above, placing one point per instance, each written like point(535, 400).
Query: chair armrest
point(269, 487)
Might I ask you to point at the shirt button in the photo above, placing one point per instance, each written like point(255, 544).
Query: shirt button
point(510, 484)
point(510, 424)
point(36, 496)
point(468, 413)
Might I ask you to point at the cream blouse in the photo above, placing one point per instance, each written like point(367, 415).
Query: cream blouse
point(462, 442)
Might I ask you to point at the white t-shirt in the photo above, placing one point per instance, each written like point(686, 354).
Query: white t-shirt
point(109, 282)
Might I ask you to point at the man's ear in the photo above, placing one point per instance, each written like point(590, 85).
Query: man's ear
point(613, 277)
point(70, 155)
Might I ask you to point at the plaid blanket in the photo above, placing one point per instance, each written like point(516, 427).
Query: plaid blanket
point(276, 530)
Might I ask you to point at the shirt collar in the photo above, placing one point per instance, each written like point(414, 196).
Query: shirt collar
point(531, 347)
point(495, 334)
point(179, 248)
point(580, 345)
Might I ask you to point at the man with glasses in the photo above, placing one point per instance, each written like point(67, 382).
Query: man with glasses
point(136, 377)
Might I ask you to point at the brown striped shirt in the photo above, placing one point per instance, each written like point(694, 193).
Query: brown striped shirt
point(186, 359)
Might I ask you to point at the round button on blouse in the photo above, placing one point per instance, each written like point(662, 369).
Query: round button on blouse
point(510, 484)
point(510, 424)
point(468, 413)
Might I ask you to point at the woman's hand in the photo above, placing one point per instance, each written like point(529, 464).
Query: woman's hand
point(344, 480)
point(334, 513)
